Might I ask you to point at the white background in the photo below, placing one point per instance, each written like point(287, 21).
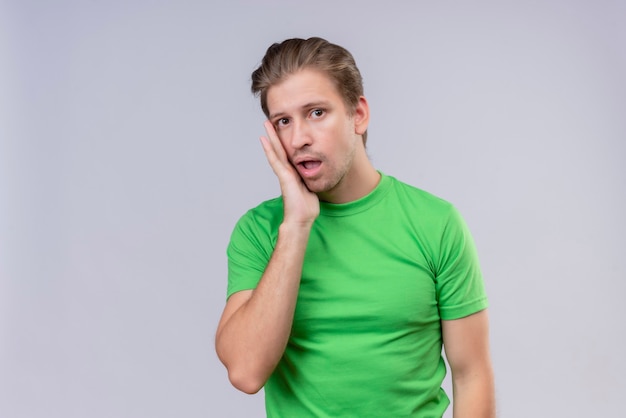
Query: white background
point(129, 148)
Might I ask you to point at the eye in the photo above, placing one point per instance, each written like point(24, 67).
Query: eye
point(317, 113)
point(282, 122)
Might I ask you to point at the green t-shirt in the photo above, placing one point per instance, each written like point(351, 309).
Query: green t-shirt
point(379, 275)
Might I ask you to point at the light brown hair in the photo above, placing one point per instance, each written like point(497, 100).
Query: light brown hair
point(290, 56)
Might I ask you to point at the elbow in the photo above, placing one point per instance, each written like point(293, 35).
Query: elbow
point(243, 373)
point(242, 378)
point(245, 382)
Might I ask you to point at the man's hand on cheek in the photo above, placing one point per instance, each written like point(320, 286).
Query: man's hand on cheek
point(301, 205)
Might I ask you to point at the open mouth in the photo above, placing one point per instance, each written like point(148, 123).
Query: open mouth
point(310, 165)
point(309, 168)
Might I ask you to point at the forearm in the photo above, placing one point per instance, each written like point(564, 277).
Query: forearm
point(251, 342)
point(473, 394)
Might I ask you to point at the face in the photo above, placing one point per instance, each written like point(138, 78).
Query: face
point(321, 136)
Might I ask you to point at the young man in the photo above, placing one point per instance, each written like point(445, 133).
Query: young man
point(342, 291)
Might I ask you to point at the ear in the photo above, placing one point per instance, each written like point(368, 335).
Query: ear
point(361, 116)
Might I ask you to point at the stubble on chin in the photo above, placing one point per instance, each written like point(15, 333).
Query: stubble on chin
point(313, 186)
point(323, 184)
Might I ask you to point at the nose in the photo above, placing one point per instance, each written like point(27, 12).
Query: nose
point(300, 135)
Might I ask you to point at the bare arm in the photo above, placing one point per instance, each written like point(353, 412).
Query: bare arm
point(255, 325)
point(466, 343)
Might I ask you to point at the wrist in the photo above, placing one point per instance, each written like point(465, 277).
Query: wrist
point(295, 227)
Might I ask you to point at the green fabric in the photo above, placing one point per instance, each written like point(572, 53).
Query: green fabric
point(379, 275)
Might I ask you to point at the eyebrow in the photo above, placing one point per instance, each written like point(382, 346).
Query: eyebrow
point(310, 105)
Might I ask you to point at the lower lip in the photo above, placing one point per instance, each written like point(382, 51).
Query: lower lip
point(309, 172)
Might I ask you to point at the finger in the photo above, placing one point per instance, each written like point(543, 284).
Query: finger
point(279, 167)
point(270, 154)
point(275, 141)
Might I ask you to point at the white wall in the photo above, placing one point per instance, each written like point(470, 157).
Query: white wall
point(129, 147)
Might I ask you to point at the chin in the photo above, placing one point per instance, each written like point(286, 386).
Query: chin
point(320, 186)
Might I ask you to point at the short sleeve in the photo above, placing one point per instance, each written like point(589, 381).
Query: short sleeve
point(459, 281)
point(249, 250)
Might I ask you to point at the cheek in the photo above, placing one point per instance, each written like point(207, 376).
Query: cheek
point(283, 138)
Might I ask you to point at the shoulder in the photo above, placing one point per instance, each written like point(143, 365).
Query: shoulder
point(269, 210)
point(420, 201)
point(262, 220)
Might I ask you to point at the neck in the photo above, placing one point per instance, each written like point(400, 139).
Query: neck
point(360, 180)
